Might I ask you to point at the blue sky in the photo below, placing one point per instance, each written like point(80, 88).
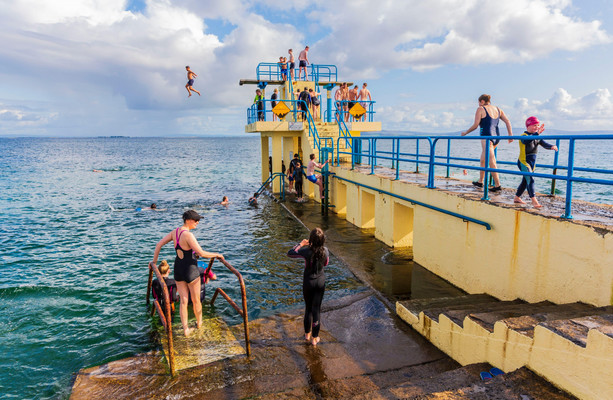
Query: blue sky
point(115, 67)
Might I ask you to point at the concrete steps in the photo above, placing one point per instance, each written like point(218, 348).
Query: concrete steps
point(569, 344)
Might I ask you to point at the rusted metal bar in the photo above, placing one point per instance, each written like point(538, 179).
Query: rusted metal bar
point(149, 285)
point(225, 296)
point(171, 351)
point(160, 312)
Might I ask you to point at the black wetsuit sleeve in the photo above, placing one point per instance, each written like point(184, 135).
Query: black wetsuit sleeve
point(303, 252)
point(546, 145)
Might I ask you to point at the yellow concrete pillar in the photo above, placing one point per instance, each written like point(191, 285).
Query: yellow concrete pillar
point(265, 152)
point(277, 154)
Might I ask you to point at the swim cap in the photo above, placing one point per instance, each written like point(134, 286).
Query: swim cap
point(532, 121)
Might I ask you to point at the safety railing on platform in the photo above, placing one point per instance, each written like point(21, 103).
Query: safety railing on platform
point(268, 72)
point(166, 315)
point(431, 159)
point(323, 73)
point(276, 175)
point(343, 107)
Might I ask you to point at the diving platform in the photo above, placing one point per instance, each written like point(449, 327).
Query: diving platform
point(282, 82)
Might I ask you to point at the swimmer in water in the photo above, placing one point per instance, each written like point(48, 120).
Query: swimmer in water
point(253, 201)
point(225, 201)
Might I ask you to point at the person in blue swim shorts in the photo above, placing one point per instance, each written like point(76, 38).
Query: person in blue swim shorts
point(316, 179)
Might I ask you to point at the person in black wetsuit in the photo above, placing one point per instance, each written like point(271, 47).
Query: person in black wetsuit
point(316, 257)
point(487, 118)
point(186, 266)
point(298, 174)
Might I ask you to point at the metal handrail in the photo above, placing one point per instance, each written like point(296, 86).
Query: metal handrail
point(243, 313)
point(432, 160)
point(270, 179)
point(319, 71)
point(165, 316)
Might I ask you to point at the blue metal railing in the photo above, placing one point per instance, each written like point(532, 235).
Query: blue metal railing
point(342, 108)
point(323, 73)
point(281, 176)
point(368, 150)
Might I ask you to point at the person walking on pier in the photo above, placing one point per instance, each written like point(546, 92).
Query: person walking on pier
point(303, 61)
point(316, 257)
point(191, 75)
point(487, 117)
point(186, 273)
point(526, 162)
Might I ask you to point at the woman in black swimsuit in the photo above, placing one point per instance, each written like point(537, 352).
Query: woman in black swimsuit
point(186, 266)
point(487, 117)
point(313, 281)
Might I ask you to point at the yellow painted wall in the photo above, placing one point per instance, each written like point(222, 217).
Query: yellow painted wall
point(523, 256)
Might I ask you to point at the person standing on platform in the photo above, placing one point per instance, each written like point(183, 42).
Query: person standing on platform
point(273, 102)
point(316, 257)
point(303, 61)
point(259, 100)
point(526, 162)
point(364, 96)
point(353, 97)
point(297, 175)
point(292, 64)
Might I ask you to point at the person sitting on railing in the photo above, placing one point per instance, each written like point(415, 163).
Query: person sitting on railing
point(527, 159)
point(259, 100)
point(186, 271)
point(316, 179)
point(487, 117)
point(171, 285)
point(316, 257)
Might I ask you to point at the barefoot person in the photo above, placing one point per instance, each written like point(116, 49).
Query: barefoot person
point(526, 162)
point(316, 257)
point(303, 61)
point(191, 75)
point(316, 179)
point(487, 117)
point(365, 96)
point(186, 266)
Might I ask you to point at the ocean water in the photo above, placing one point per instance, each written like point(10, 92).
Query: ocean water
point(73, 273)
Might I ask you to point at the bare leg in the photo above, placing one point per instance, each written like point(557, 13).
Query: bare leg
point(307, 336)
point(320, 183)
point(184, 298)
point(196, 91)
point(518, 200)
point(315, 340)
point(535, 202)
point(494, 165)
point(188, 92)
point(194, 292)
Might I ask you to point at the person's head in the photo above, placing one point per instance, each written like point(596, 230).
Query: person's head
point(316, 243)
point(258, 91)
point(256, 194)
point(164, 268)
point(312, 156)
point(225, 198)
point(485, 98)
point(153, 206)
point(187, 67)
point(306, 48)
point(298, 164)
point(356, 87)
point(364, 85)
point(296, 155)
point(281, 58)
point(310, 90)
point(532, 124)
point(306, 88)
point(290, 51)
point(191, 218)
point(276, 90)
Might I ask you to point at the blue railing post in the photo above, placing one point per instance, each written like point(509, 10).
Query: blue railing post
point(556, 157)
point(430, 179)
point(397, 156)
point(486, 172)
point(329, 88)
point(448, 155)
point(569, 181)
point(372, 151)
point(417, 156)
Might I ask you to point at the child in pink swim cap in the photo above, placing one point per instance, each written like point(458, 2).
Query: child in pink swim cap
point(526, 162)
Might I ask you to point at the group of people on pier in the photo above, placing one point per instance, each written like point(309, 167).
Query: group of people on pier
point(287, 66)
point(345, 100)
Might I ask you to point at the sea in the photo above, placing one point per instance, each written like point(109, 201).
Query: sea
point(76, 239)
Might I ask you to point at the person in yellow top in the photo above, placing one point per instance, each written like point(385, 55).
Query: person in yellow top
point(526, 162)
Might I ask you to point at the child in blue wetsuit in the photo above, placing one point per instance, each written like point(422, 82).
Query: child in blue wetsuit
point(526, 162)
point(316, 257)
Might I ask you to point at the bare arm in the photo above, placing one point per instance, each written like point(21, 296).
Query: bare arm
point(193, 244)
point(506, 121)
point(478, 117)
point(158, 247)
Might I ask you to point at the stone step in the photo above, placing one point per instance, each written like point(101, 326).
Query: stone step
point(457, 314)
point(415, 306)
point(487, 318)
point(525, 324)
point(577, 329)
point(521, 384)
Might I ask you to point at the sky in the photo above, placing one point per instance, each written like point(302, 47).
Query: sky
point(117, 67)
